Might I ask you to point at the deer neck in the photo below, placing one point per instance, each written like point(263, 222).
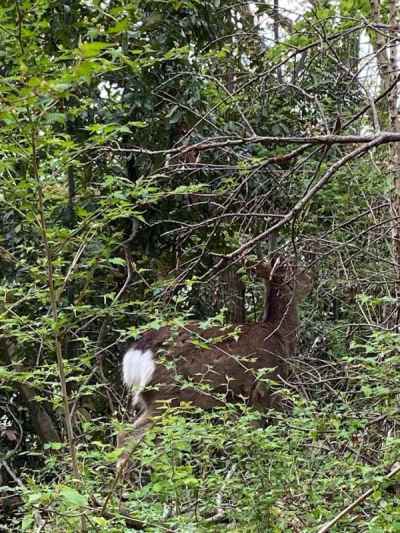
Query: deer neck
point(281, 307)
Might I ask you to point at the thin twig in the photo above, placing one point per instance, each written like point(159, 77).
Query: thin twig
point(53, 304)
point(360, 499)
point(247, 246)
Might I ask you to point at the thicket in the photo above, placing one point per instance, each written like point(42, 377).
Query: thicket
point(147, 148)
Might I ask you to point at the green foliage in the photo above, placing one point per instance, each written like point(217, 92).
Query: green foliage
point(99, 191)
point(303, 468)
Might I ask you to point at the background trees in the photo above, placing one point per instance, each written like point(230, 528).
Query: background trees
point(147, 148)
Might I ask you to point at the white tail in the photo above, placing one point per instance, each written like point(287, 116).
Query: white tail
point(138, 368)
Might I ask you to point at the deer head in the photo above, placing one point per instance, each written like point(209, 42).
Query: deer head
point(286, 284)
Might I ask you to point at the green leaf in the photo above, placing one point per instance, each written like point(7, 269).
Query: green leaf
point(92, 49)
point(72, 497)
point(53, 118)
point(137, 124)
point(117, 261)
point(5, 373)
point(120, 26)
point(54, 445)
point(114, 455)
point(100, 521)
point(200, 344)
point(27, 523)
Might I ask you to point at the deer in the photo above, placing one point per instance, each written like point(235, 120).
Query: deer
point(212, 366)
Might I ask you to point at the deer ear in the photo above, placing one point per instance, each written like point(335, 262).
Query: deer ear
point(304, 284)
point(277, 263)
point(262, 269)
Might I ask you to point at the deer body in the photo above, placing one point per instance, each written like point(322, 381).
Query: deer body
point(228, 367)
point(210, 367)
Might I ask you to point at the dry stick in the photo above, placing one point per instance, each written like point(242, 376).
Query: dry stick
point(374, 101)
point(116, 479)
point(242, 250)
point(12, 474)
point(226, 141)
point(212, 143)
point(363, 497)
point(99, 360)
point(133, 523)
point(228, 203)
point(54, 308)
point(213, 220)
point(329, 139)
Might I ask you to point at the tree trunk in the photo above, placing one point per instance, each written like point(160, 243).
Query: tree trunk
point(42, 422)
point(395, 163)
point(386, 51)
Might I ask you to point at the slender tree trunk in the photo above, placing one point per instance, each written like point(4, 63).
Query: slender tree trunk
point(380, 48)
point(386, 51)
point(275, 15)
point(395, 163)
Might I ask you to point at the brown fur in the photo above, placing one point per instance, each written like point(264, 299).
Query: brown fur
point(229, 367)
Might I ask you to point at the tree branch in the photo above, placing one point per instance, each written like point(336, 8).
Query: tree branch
point(360, 499)
point(244, 249)
point(224, 142)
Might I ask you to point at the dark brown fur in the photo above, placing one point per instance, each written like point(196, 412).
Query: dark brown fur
point(228, 367)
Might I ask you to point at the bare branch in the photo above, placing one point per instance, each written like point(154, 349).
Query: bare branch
point(356, 502)
point(224, 142)
point(246, 247)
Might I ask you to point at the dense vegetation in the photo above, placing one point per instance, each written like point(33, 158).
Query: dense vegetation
point(150, 150)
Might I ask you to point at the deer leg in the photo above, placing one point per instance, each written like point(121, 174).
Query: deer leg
point(142, 423)
point(130, 439)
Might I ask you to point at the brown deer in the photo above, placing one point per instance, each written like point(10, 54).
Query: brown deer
point(210, 367)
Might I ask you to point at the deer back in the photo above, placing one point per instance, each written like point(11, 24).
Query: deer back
point(206, 367)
